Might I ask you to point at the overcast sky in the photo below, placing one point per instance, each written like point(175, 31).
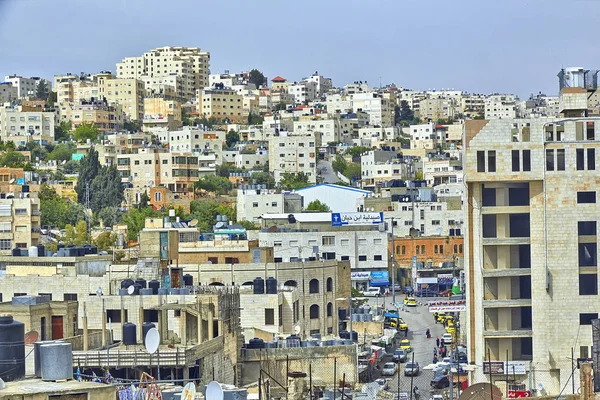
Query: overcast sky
point(483, 46)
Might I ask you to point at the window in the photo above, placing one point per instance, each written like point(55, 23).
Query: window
point(329, 309)
point(274, 204)
point(583, 351)
point(417, 249)
point(586, 318)
point(560, 159)
point(378, 257)
point(460, 248)
point(362, 258)
point(550, 160)
point(586, 228)
point(492, 161)
point(277, 259)
point(269, 316)
point(403, 249)
point(377, 241)
point(586, 197)
point(345, 258)
point(588, 284)
point(579, 161)
point(489, 225)
point(481, 161)
point(344, 242)
point(526, 160)
point(70, 297)
point(280, 315)
point(115, 316)
point(277, 243)
point(20, 211)
point(329, 255)
point(255, 204)
point(328, 240)
point(151, 315)
point(591, 159)
point(588, 254)
point(313, 286)
point(515, 161)
point(157, 197)
point(330, 284)
point(314, 311)
point(441, 249)
point(5, 244)
point(362, 242)
point(435, 222)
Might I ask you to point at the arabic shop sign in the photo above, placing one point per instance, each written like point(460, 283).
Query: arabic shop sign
point(356, 218)
point(447, 305)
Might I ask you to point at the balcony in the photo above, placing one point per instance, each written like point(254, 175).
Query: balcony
point(513, 333)
point(506, 272)
point(507, 303)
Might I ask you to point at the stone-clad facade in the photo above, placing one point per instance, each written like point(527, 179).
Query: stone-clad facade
point(531, 244)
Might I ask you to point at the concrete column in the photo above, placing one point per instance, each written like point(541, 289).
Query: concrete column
point(104, 339)
point(85, 334)
point(140, 328)
point(183, 327)
point(186, 375)
point(211, 330)
point(163, 324)
point(200, 324)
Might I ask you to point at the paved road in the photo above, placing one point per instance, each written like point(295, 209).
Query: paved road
point(328, 174)
point(418, 320)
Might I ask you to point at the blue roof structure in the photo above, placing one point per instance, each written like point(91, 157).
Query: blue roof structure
point(352, 189)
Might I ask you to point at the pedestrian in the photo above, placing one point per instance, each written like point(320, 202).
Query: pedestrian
point(435, 359)
point(428, 333)
point(434, 352)
point(406, 332)
point(442, 342)
point(437, 342)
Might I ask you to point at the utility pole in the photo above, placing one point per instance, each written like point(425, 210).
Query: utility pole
point(393, 268)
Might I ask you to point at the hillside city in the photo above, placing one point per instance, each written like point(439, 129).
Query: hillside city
point(167, 231)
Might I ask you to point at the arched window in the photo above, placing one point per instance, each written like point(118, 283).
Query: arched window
point(423, 249)
point(460, 248)
point(329, 309)
point(417, 249)
point(441, 249)
point(314, 311)
point(455, 249)
point(403, 249)
point(435, 249)
point(313, 286)
point(397, 249)
point(290, 283)
point(329, 285)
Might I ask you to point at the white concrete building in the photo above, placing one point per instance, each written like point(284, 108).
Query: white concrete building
point(251, 160)
point(303, 92)
point(437, 218)
point(379, 134)
point(190, 139)
point(323, 84)
point(500, 107)
point(338, 198)
point(328, 128)
point(22, 127)
point(380, 164)
point(8, 93)
point(252, 204)
point(379, 108)
point(427, 136)
point(294, 154)
point(440, 169)
point(25, 86)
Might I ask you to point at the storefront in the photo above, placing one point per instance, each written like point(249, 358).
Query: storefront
point(379, 279)
point(360, 279)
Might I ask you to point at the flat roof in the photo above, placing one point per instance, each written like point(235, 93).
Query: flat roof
point(34, 386)
point(301, 217)
point(349, 188)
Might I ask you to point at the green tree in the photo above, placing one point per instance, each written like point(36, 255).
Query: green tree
point(352, 171)
point(255, 119)
point(106, 240)
point(249, 225)
point(357, 151)
point(256, 77)
point(419, 175)
point(316, 205)
point(42, 90)
point(206, 211)
point(223, 170)
point(89, 167)
point(405, 115)
point(59, 212)
point(232, 138)
point(144, 200)
point(106, 189)
point(339, 164)
point(86, 131)
point(6, 146)
point(52, 99)
point(62, 131)
point(38, 152)
point(110, 216)
point(213, 183)
point(12, 159)
point(78, 234)
point(264, 178)
point(291, 181)
point(134, 125)
point(62, 151)
point(71, 167)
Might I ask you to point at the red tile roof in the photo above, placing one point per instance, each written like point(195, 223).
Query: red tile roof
point(278, 79)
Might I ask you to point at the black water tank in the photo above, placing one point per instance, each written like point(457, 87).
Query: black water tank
point(41, 250)
point(60, 246)
point(344, 334)
point(126, 283)
point(16, 252)
point(154, 285)
point(256, 343)
point(259, 285)
point(141, 282)
point(136, 288)
point(93, 250)
point(129, 334)
point(271, 285)
point(25, 188)
point(354, 336)
point(12, 349)
point(81, 251)
point(87, 249)
point(146, 326)
point(188, 280)
point(342, 314)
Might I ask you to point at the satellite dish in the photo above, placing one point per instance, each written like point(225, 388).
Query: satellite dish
point(31, 337)
point(481, 391)
point(209, 262)
point(297, 329)
point(152, 340)
point(193, 222)
point(189, 391)
point(214, 391)
point(219, 224)
point(131, 289)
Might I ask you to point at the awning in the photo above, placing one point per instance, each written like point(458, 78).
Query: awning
point(390, 315)
point(379, 278)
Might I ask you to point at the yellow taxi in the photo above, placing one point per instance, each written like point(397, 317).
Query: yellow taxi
point(451, 328)
point(410, 302)
point(440, 316)
point(448, 319)
point(403, 325)
point(405, 345)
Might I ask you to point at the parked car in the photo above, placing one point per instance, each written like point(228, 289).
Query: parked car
point(408, 290)
point(426, 293)
point(411, 369)
point(440, 381)
point(372, 292)
point(446, 293)
point(448, 339)
point(389, 369)
point(400, 355)
point(410, 302)
point(401, 396)
point(383, 383)
point(460, 296)
point(405, 345)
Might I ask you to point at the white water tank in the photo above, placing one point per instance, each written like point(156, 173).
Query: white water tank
point(33, 251)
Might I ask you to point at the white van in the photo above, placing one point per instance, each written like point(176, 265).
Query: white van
point(372, 292)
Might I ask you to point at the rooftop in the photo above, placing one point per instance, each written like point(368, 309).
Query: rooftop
point(30, 387)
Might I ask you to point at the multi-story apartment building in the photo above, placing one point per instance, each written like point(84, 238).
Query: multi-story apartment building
point(500, 106)
point(531, 254)
point(64, 85)
point(381, 165)
point(379, 106)
point(439, 169)
point(437, 108)
point(221, 103)
point(105, 117)
point(473, 106)
point(303, 92)
point(190, 139)
point(25, 86)
point(249, 159)
point(350, 124)
point(156, 167)
point(429, 136)
point(129, 93)
point(294, 154)
point(252, 204)
point(328, 128)
point(280, 84)
point(323, 84)
point(22, 127)
point(8, 93)
point(19, 218)
point(339, 104)
point(187, 63)
point(162, 106)
point(379, 134)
